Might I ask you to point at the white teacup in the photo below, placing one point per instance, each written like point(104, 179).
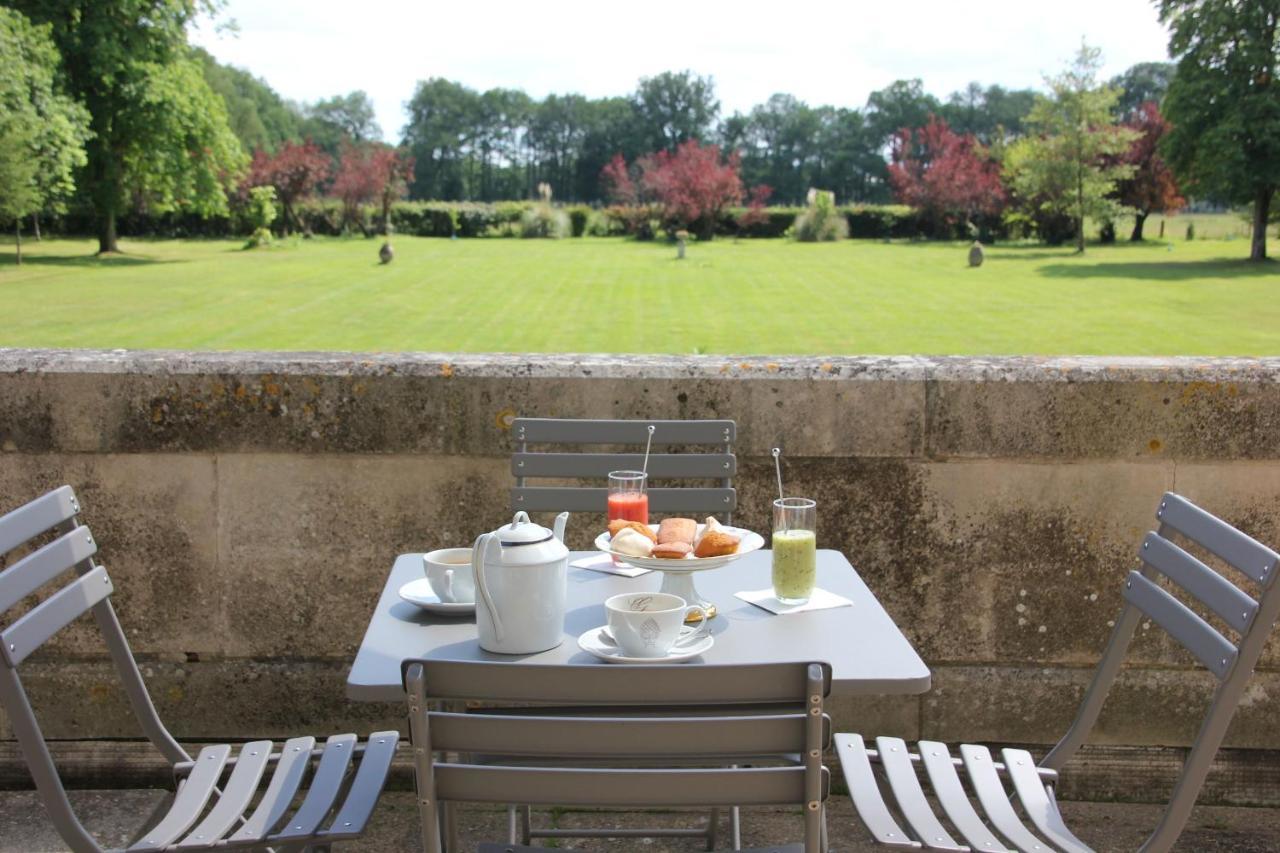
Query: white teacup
point(450, 575)
point(648, 624)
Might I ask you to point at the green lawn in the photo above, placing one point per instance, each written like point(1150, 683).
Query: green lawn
point(609, 295)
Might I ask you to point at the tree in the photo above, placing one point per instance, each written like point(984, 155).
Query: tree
point(443, 117)
point(1146, 81)
point(993, 115)
point(693, 185)
point(673, 108)
point(295, 171)
point(369, 172)
point(42, 131)
point(1151, 187)
point(1224, 103)
point(1062, 168)
point(258, 116)
point(331, 122)
point(944, 175)
point(159, 133)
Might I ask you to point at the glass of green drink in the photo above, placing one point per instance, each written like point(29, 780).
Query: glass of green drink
point(795, 556)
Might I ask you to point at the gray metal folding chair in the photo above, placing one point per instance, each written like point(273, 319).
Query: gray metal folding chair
point(656, 742)
point(1249, 619)
point(215, 789)
point(718, 467)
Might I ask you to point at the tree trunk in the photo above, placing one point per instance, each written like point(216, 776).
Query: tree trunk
point(1139, 220)
point(35, 226)
point(1080, 210)
point(288, 214)
point(1261, 210)
point(107, 233)
point(17, 233)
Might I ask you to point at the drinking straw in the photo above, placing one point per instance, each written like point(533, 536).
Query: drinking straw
point(644, 469)
point(777, 465)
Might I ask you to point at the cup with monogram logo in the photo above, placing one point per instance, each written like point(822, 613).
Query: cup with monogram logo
point(648, 624)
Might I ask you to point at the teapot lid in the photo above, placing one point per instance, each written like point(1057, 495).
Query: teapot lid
point(522, 531)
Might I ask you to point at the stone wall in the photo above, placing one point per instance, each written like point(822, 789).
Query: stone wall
point(249, 506)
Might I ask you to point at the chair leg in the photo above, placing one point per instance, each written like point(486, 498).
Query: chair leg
point(526, 825)
point(823, 838)
point(511, 825)
point(713, 828)
point(735, 827)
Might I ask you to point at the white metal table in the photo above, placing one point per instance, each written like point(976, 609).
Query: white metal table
point(867, 652)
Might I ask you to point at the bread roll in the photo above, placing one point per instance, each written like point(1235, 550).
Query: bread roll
point(717, 543)
point(672, 550)
point(618, 525)
point(677, 530)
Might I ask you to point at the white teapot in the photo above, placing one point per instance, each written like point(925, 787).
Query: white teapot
point(520, 572)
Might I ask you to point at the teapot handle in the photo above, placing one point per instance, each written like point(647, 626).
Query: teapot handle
point(479, 553)
point(520, 517)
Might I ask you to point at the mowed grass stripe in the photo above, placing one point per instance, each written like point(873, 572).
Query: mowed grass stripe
point(610, 295)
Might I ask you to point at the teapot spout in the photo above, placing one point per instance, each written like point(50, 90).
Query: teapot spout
point(561, 521)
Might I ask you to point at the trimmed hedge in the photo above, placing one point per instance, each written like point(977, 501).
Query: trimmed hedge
point(502, 219)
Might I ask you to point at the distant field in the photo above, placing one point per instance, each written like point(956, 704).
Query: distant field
point(611, 295)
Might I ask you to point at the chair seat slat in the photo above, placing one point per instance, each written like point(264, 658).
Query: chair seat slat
point(326, 784)
point(57, 611)
point(995, 801)
point(895, 757)
point(1198, 636)
point(1218, 594)
point(31, 519)
point(236, 796)
point(362, 796)
point(1036, 803)
point(295, 756)
point(43, 565)
point(630, 787)
point(192, 797)
point(573, 499)
point(661, 465)
point(952, 797)
point(1251, 557)
point(584, 431)
point(864, 790)
point(597, 737)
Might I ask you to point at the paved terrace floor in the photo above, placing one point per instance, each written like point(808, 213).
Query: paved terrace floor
point(116, 815)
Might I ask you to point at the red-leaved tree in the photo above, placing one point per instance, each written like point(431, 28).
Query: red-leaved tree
point(1152, 187)
point(296, 170)
point(688, 188)
point(369, 172)
point(755, 213)
point(944, 175)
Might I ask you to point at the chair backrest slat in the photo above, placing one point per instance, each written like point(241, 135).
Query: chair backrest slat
point(619, 737)
point(726, 685)
point(604, 787)
point(53, 614)
point(1249, 556)
point(42, 514)
point(661, 465)
point(43, 565)
point(1217, 593)
point(572, 499)
point(1199, 637)
point(584, 431)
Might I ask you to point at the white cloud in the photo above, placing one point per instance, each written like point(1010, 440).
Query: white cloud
point(823, 53)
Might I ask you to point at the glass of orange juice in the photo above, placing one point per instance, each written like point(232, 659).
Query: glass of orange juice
point(628, 499)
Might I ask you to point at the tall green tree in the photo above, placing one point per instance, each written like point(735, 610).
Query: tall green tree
point(1144, 82)
point(258, 116)
point(341, 120)
point(160, 134)
point(1069, 164)
point(42, 131)
point(674, 107)
point(1224, 103)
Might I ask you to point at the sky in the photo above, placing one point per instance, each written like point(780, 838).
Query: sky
point(822, 52)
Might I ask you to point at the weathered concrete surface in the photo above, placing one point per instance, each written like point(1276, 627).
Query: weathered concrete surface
point(1107, 827)
point(249, 505)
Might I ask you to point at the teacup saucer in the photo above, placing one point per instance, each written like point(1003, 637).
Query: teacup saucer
point(419, 593)
point(599, 643)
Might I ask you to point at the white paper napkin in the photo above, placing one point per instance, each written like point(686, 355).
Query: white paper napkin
point(819, 600)
point(604, 563)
